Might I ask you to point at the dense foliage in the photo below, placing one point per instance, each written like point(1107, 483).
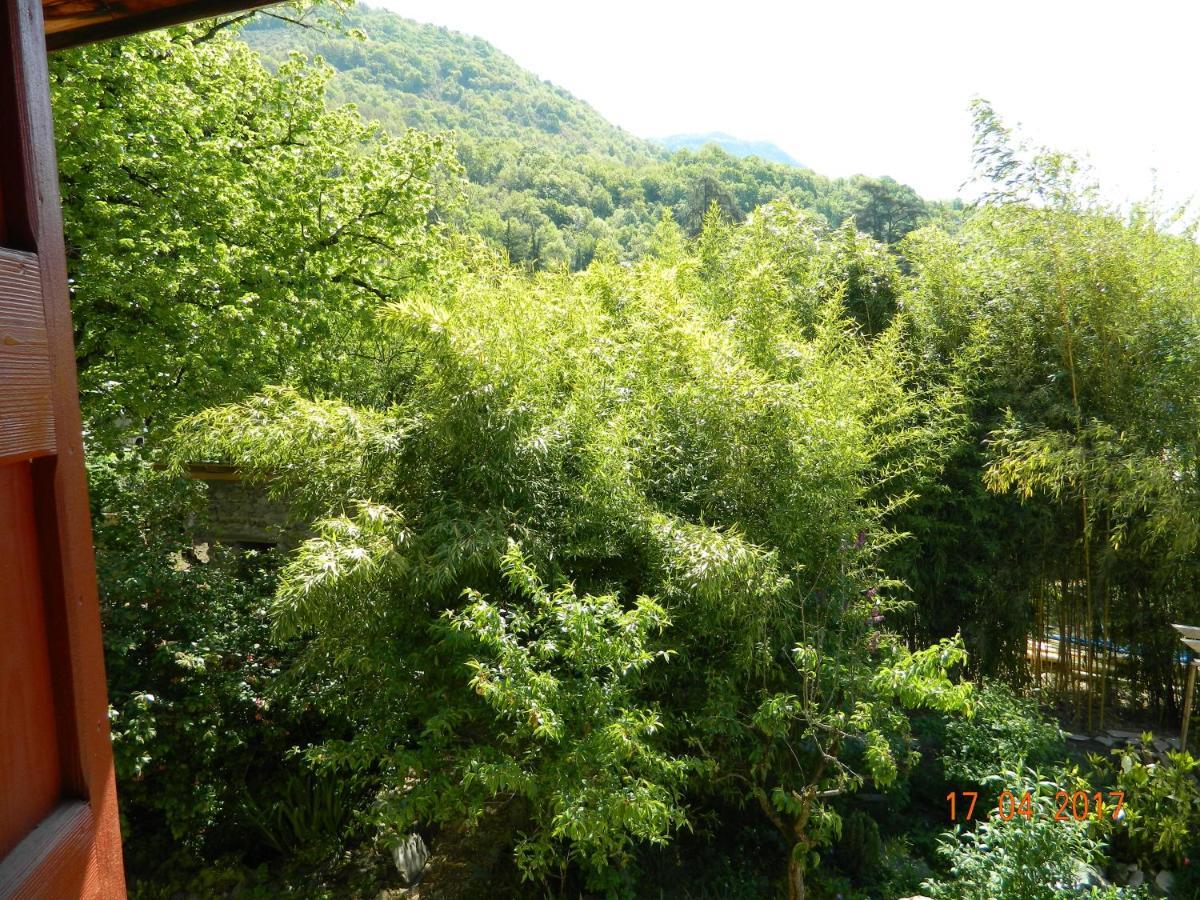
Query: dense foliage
point(1030, 856)
point(616, 435)
point(652, 503)
point(1072, 331)
point(1006, 732)
point(238, 240)
point(197, 724)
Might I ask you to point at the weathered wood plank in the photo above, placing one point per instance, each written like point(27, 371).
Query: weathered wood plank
point(54, 860)
point(26, 413)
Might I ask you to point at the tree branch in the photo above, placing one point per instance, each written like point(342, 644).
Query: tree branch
point(221, 24)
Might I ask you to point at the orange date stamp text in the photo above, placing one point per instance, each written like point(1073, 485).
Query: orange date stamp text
point(1069, 805)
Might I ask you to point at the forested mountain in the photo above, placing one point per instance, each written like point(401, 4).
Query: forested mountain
point(549, 178)
point(731, 145)
point(408, 75)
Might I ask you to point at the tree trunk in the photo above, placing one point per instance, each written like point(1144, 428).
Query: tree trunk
point(795, 877)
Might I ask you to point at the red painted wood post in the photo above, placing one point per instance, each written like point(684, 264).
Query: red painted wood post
point(59, 833)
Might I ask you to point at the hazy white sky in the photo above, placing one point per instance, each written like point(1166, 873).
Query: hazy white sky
point(875, 87)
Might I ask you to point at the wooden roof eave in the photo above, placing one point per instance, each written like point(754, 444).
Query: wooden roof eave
point(71, 23)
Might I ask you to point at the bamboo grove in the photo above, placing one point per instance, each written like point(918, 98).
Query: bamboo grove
point(1069, 508)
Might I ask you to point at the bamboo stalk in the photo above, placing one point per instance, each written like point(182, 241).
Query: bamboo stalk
point(1064, 646)
point(1039, 629)
point(1089, 623)
point(1108, 643)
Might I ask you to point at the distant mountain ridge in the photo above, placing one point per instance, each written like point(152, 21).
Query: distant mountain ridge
point(764, 150)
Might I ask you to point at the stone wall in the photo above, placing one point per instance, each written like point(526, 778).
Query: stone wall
point(243, 516)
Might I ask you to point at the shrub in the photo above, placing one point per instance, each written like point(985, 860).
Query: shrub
point(903, 872)
point(303, 816)
point(1026, 858)
point(1006, 733)
point(191, 667)
point(1162, 804)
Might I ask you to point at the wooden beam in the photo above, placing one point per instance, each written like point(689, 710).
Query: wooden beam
point(213, 472)
point(54, 856)
point(72, 23)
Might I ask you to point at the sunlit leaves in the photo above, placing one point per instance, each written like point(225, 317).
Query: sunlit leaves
point(558, 671)
point(557, 450)
point(226, 229)
point(334, 576)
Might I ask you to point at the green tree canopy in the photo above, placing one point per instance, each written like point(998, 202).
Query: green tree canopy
point(225, 229)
